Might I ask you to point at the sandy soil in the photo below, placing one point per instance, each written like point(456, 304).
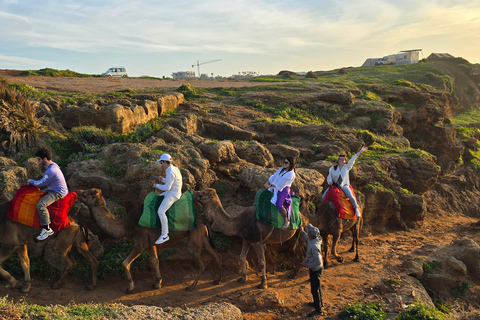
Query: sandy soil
point(380, 255)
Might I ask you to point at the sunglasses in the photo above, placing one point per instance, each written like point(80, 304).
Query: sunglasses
point(286, 162)
point(162, 161)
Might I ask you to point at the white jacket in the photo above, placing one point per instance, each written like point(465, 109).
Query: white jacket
point(280, 180)
point(334, 174)
point(172, 183)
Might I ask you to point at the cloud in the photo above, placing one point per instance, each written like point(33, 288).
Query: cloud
point(20, 61)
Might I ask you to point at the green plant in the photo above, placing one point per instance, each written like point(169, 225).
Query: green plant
point(429, 266)
point(364, 311)
point(461, 289)
point(420, 311)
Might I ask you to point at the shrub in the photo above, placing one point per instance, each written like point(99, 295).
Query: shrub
point(365, 311)
point(420, 311)
point(311, 75)
point(19, 126)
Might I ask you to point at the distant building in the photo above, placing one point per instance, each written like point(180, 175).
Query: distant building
point(438, 56)
point(401, 58)
point(183, 75)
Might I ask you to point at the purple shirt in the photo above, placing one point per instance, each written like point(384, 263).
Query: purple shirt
point(53, 179)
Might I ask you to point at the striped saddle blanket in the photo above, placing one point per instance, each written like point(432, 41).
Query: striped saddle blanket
point(341, 202)
point(23, 208)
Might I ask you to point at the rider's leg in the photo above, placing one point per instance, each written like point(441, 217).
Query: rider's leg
point(348, 193)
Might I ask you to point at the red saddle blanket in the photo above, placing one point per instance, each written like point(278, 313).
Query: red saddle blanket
point(23, 208)
point(342, 203)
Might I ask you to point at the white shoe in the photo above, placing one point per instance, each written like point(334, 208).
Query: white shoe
point(45, 234)
point(162, 239)
point(357, 212)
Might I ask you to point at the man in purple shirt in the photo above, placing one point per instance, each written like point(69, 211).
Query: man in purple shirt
point(55, 185)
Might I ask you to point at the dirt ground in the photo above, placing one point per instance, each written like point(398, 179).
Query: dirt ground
point(380, 255)
point(100, 85)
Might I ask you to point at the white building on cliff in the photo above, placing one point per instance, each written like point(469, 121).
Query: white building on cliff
point(403, 57)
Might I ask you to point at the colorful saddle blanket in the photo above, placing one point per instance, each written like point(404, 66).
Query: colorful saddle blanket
point(342, 203)
point(23, 208)
point(268, 213)
point(181, 215)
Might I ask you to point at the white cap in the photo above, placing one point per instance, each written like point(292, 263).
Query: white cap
point(165, 157)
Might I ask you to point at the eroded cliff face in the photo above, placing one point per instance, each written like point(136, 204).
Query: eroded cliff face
point(230, 143)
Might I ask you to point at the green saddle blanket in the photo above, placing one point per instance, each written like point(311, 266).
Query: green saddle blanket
point(269, 214)
point(181, 215)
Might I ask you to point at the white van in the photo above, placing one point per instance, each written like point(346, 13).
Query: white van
point(116, 72)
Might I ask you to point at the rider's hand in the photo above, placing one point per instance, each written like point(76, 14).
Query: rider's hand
point(330, 183)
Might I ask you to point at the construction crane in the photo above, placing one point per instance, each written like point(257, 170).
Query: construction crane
point(198, 64)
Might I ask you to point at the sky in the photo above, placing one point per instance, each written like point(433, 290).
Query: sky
point(158, 37)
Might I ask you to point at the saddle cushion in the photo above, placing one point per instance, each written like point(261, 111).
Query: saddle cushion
point(181, 215)
point(342, 203)
point(269, 214)
point(23, 208)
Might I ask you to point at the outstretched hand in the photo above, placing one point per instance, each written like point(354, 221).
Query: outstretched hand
point(364, 149)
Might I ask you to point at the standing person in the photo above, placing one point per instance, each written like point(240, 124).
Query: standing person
point(339, 175)
point(56, 188)
point(280, 184)
point(314, 262)
point(172, 187)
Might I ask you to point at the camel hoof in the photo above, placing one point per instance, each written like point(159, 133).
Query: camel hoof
point(351, 250)
point(357, 259)
point(90, 287)
point(217, 282)
point(190, 288)
point(55, 286)
point(340, 259)
point(158, 283)
point(242, 280)
point(25, 289)
point(130, 288)
point(262, 286)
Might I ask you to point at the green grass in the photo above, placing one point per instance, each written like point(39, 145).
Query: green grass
point(466, 118)
point(49, 72)
point(364, 311)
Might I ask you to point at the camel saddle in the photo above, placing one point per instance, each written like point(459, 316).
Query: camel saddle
point(268, 213)
point(23, 208)
point(342, 203)
point(181, 215)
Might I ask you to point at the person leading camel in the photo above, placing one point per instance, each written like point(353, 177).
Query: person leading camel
point(280, 184)
point(339, 175)
point(314, 262)
point(56, 188)
point(172, 190)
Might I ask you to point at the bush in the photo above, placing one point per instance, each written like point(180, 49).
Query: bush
point(365, 311)
point(420, 311)
point(19, 126)
point(311, 75)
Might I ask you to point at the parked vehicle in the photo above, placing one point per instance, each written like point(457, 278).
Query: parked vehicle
point(116, 72)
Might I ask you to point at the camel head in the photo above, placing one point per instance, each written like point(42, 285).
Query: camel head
point(91, 197)
point(207, 198)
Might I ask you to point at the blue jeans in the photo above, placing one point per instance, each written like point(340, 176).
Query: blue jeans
point(43, 203)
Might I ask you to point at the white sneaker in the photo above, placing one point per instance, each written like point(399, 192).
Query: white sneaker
point(45, 234)
point(162, 239)
point(357, 212)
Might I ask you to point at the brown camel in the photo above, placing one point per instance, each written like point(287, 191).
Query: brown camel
point(329, 223)
point(15, 236)
point(245, 225)
point(144, 238)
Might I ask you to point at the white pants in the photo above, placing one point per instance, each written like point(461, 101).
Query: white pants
point(164, 206)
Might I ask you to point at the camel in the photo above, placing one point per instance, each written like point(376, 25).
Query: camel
point(15, 236)
point(245, 225)
point(144, 238)
point(328, 222)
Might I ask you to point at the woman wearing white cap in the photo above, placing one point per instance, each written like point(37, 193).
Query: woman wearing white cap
point(172, 187)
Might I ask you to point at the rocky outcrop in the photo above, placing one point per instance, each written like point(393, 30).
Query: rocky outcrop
point(12, 177)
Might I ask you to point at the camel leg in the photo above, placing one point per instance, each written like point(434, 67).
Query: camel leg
point(22, 253)
point(136, 251)
point(355, 232)
point(210, 247)
point(335, 239)
point(152, 251)
point(6, 251)
point(243, 260)
point(258, 246)
point(196, 245)
point(84, 250)
point(324, 248)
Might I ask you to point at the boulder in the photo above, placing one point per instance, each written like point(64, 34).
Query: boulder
point(254, 152)
point(219, 128)
point(218, 151)
point(12, 177)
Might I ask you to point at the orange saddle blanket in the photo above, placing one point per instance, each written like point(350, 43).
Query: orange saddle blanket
point(23, 208)
point(342, 203)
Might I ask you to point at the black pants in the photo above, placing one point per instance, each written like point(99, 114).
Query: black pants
point(316, 291)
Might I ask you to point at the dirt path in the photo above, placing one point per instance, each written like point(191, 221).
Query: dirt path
point(381, 257)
